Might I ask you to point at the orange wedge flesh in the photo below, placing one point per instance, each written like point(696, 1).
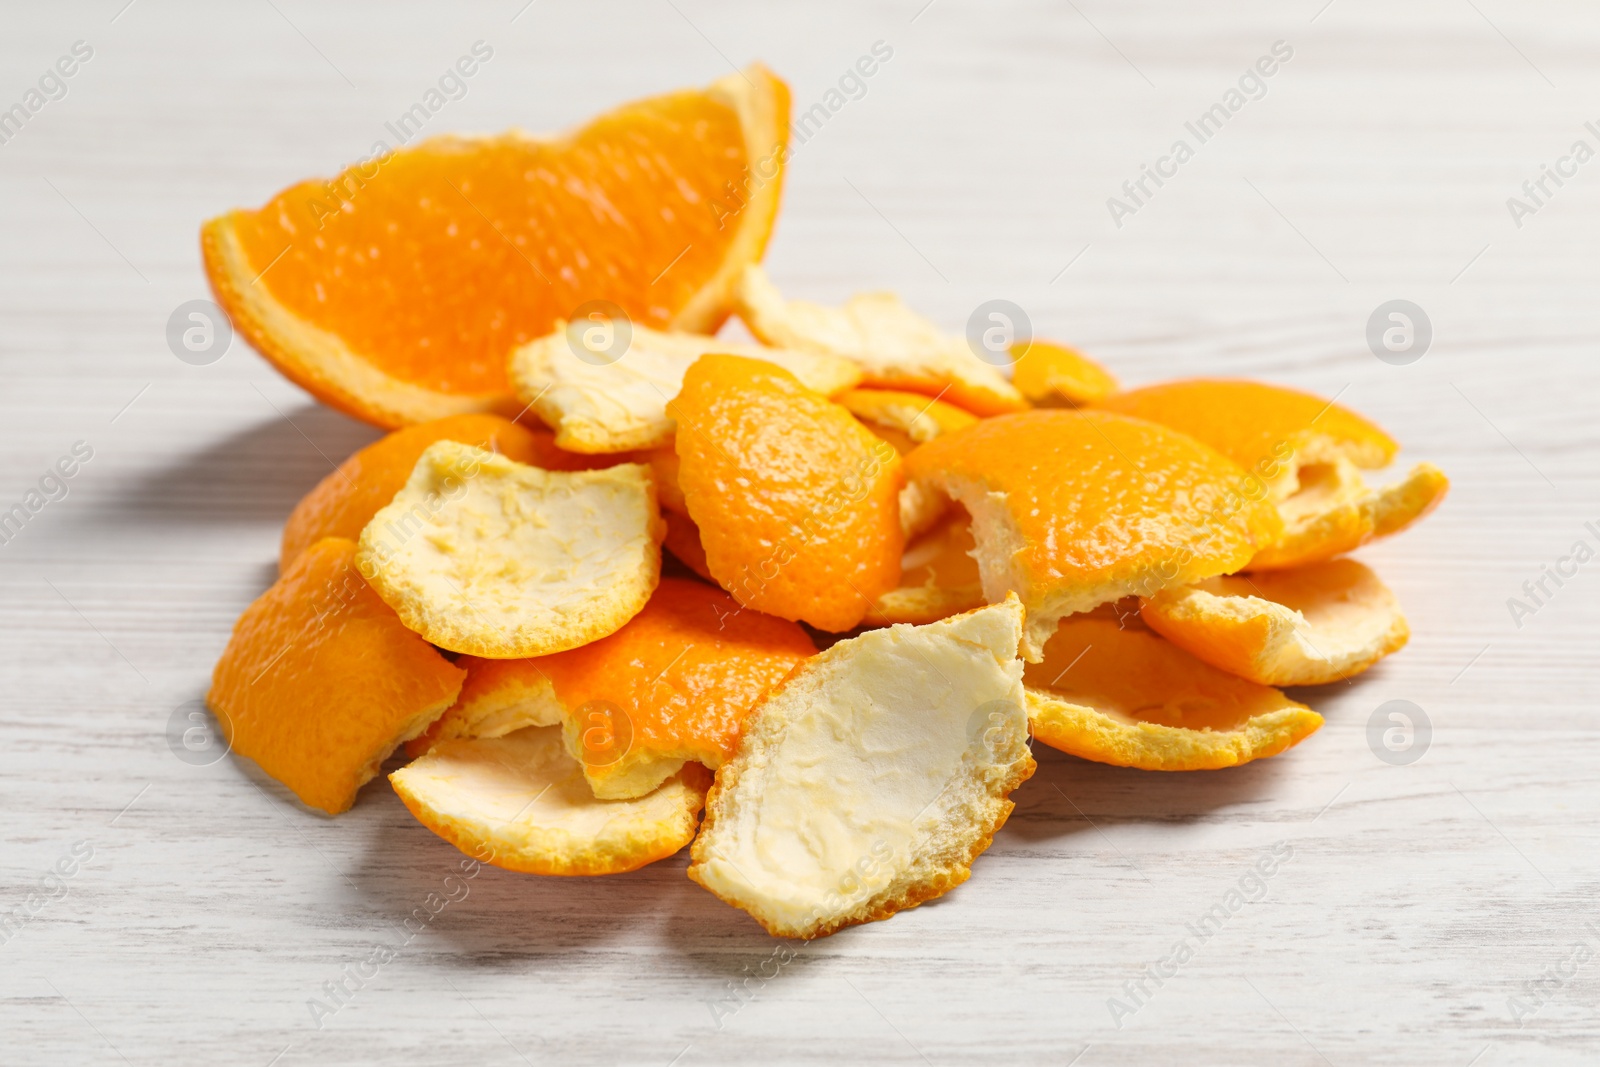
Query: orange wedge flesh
point(1071, 509)
point(1320, 623)
point(1051, 374)
point(397, 291)
point(1269, 430)
point(345, 501)
point(797, 503)
point(1335, 511)
point(918, 418)
point(320, 681)
point(938, 577)
point(520, 802)
point(1130, 698)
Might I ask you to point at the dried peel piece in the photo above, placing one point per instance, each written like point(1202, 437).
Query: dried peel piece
point(1269, 430)
point(895, 347)
point(520, 802)
point(1132, 699)
point(498, 697)
point(796, 501)
point(1072, 509)
point(938, 578)
point(320, 681)
point(1054, 375)
point(911, 417)
point(1334, 511)
point(483, 555)
point(344, 502)
point(1315, 624)
point(683, 541)
point(664, 465)
point(599, 401)
point(870, 780)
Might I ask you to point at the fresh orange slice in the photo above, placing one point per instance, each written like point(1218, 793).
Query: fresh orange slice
point(345, 501)
point(872, 778)
point(615, 399)
point(895, 347)
point(396, 292)
point(1269, 430)
point(1054, 375)
point(1127, 697)
point(1072, 509)
point(484, 555)
point(520, 802)
point(1316, 624)
point(796, 501)
point(320, 681)
point(911, 417)
point(938, 577)
point(1335, 511)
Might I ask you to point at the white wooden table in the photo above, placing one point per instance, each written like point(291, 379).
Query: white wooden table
point(1419, 901)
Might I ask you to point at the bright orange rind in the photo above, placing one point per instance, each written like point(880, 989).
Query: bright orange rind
point(796, 501)
point(1053, 375)
point(1072, 509)
point(938, 577)
point(911, 417)
point(1335, 511)
point(1315, 624)
point(1128, 697)
point(320, 681)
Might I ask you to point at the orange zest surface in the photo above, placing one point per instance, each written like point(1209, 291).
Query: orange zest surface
point(397, 291)
point(797, 502)
point(320, 681)
point(1054, 375)
point(1072, 509)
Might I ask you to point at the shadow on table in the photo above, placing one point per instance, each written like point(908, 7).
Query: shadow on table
point(255, 474)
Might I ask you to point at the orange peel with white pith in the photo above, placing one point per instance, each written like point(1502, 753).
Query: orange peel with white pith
point(1315, 624)
point(938, 577)
point(1053, 375)
point(1072, 509)
point(1127, 697)
point(1334, 511)
point(520, 802)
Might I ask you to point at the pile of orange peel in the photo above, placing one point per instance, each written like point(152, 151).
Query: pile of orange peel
point(889, 563)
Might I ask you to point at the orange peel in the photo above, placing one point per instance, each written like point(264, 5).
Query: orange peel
point(1072, 509)
point(494, 558)
point(498, 697)
point(683, 541)
point(911, 417)
point(938, 578)
point(872, 778)
point(395, 292)
point(344, 502)
point(895, 347)
point(320, 681)
point(1052, 374)
point(1334, 511)
point(520, 802)
point(1321, 623)
point(612, 402)
point(796, 501)
point(1130, 698)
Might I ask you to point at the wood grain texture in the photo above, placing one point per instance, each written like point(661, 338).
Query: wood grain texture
point(977, 164)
